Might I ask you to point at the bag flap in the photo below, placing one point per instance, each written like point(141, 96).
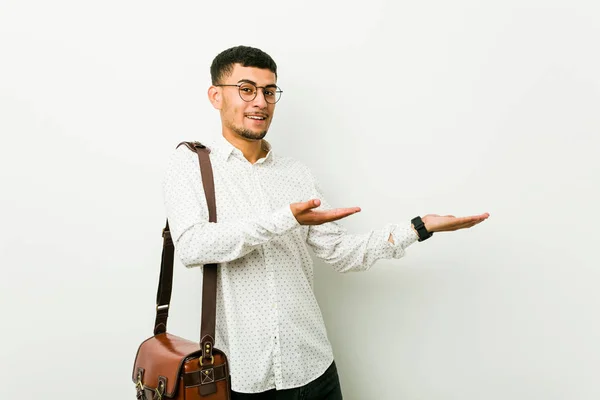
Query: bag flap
point(163, 355)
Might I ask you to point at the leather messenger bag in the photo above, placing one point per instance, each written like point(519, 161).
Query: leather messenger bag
point(170, 367)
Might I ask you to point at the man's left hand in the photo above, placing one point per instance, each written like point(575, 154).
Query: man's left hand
point(445, 223)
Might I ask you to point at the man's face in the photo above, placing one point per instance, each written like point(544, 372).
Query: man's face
point(247, 119)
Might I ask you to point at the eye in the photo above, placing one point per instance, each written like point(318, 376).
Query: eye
point(269, 93)
point(246, 89)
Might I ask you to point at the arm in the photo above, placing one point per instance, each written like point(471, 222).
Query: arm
point(347, 252)
point(199, 242)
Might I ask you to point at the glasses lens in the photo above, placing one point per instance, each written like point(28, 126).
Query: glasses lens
point(247, 91)
point(272, 94)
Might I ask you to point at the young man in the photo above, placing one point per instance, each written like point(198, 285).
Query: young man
point(270, 212)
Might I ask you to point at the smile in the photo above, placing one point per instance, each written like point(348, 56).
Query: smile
point(256, 117)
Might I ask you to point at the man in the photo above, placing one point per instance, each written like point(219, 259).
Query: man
point(270, 212)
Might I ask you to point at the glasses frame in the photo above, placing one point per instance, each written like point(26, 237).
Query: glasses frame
point(239, 86)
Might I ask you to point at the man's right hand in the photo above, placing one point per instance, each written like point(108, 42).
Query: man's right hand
point(305, 214)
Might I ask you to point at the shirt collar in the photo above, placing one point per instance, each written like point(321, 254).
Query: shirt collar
point(223, 150)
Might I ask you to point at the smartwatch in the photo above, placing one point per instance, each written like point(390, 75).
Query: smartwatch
point(422, 232)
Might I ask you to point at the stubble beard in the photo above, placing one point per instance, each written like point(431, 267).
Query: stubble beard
point(248, 134)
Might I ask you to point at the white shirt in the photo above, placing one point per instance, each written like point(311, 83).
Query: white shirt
point(268, 321)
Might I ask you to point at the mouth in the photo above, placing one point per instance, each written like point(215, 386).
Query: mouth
point(257, 116)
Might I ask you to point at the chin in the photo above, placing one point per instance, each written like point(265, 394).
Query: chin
point(252, 135)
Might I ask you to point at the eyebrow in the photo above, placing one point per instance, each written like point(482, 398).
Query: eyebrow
point(255, 84)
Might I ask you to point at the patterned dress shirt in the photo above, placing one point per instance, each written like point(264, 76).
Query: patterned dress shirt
point(268, 321)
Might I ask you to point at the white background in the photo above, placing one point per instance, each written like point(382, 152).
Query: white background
point(402, 108)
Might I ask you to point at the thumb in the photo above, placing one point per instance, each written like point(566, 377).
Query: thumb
point(311, 204)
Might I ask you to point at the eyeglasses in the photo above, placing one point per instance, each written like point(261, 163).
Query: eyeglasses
point(249, 90)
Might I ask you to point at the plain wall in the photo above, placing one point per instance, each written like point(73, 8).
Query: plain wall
point(402, 108)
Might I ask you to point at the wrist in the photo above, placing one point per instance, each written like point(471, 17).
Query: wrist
point(426, 223)
point(419, 227)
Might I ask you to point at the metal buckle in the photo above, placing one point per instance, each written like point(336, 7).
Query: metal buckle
point(212, 360)
point(160, 390)
point(139, 384)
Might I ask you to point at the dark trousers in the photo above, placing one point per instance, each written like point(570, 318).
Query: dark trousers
point(325, 387)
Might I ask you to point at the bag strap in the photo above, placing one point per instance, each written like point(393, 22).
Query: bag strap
point(209, 283)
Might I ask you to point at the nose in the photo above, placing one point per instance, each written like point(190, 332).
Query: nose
point(259, 100)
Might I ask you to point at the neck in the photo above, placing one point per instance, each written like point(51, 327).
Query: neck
point(251, 149)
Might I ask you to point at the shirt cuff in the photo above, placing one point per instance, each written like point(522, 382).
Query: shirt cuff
point(404, 236)
point(284, 220)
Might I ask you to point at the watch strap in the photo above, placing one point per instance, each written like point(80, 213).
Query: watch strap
point(422, 232)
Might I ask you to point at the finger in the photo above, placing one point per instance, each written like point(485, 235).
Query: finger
point(320, 217)
point(466, 220)
point(307, 205)
point(480, 216)
point(339, 213)
point(454, 223)
point(467, 225)
point(460, 223)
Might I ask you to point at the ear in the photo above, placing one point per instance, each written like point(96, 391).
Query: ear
point(215, 97)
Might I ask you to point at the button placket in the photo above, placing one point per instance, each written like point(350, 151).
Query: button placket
point(261, 196)
point(277, 352)
point(271, 280)
point(276, 334)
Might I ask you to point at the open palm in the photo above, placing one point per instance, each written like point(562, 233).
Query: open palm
point(445, 223)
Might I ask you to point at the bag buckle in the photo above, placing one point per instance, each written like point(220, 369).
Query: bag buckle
point(160, 390)
point(212, 360)
point(139, 385)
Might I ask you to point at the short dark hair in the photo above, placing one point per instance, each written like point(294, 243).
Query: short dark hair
point(223, 63)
